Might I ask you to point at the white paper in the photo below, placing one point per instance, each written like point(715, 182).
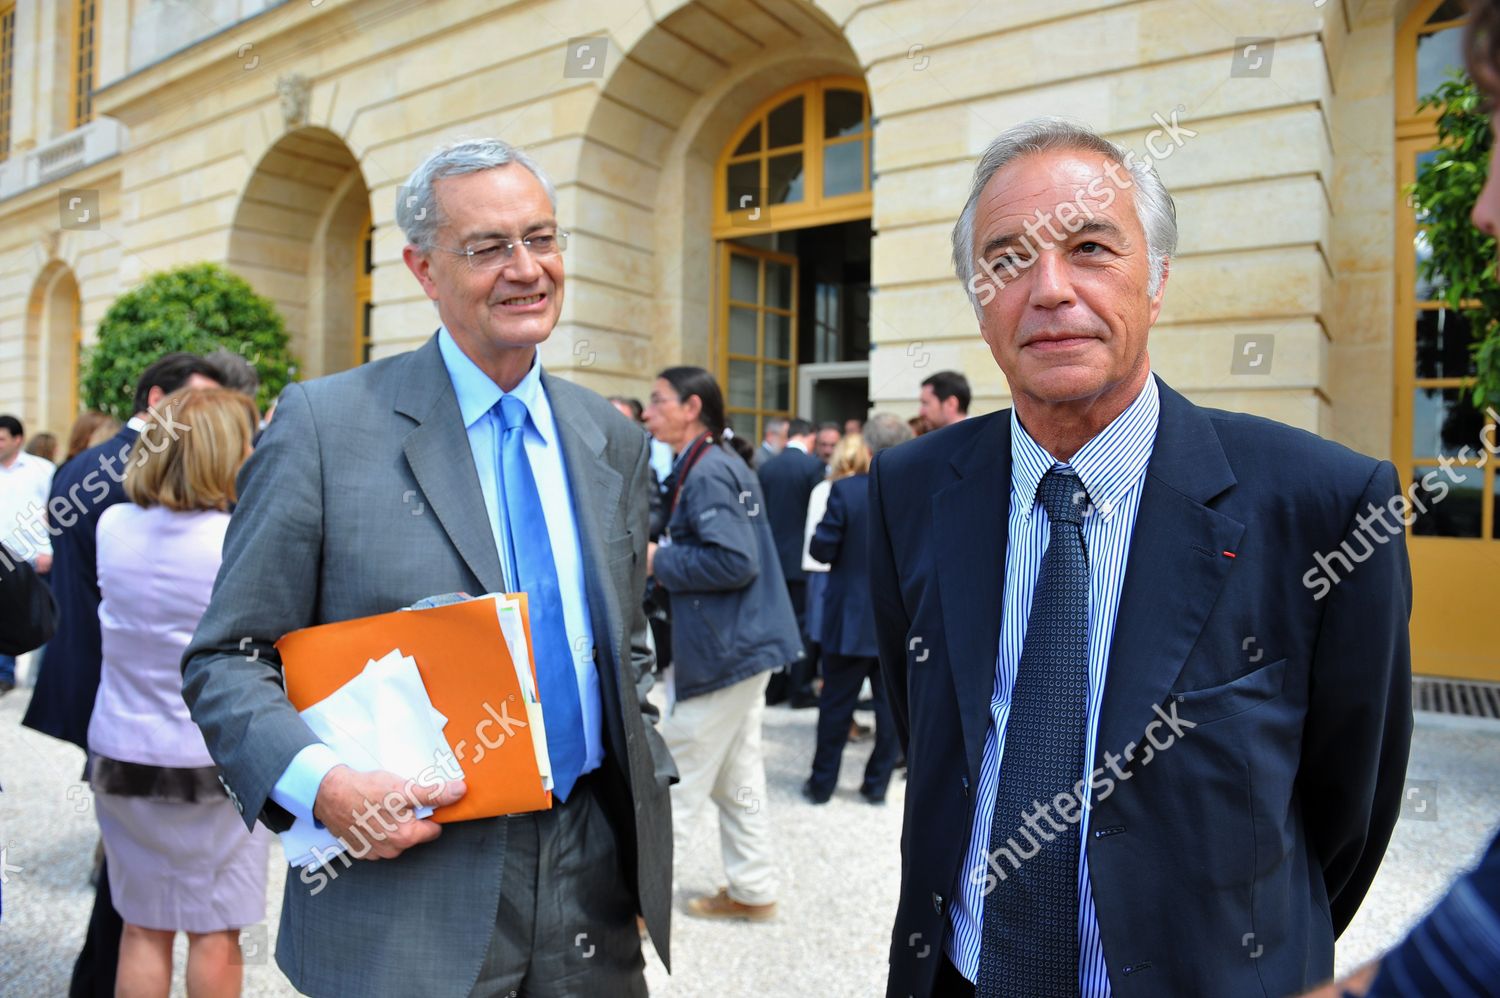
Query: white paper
point(514, 629)
point(380, 719)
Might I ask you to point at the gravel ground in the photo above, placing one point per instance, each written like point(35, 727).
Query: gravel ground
point(839, 869)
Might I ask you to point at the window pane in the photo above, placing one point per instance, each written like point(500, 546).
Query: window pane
point(742, 384)
point(843, 112)
point(744, 190)
point(784, 182)
point(744, 279)
point(1443, 423)
point(827, 322)
point(778, 394)
point(1426, 289)
point(1443, 339)
point(1452, 504)
point(742, 331)
point(750, 143)
point(778, 336)
point(843, 169)
point(778, 285)
point(784, 125)
point(1436, 55)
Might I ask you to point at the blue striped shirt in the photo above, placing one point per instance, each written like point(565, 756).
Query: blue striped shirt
point(1112, 467)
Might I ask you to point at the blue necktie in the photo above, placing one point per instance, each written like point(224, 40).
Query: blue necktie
point(1029, 936)
point(531, 569)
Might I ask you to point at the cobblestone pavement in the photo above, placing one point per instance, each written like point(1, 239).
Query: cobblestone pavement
point(839, 869)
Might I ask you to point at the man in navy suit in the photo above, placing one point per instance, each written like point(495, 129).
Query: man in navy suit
point(788, 480)
point(1150, 660)
point(848, 630)
point(63, 701)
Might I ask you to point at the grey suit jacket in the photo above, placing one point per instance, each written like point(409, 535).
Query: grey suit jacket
point(363, 498)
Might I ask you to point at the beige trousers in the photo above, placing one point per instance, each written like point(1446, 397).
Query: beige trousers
point(715, 741)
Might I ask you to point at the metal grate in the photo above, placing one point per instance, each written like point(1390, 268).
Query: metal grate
point(1464, 698)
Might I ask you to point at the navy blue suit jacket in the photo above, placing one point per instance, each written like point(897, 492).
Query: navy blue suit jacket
point(788, 480)
point(1227, 864)
point(65, 687)
point(838, 541)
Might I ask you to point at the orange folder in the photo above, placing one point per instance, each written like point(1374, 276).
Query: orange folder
point(470, 677)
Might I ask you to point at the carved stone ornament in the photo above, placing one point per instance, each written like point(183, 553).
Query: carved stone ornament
point(295, 92)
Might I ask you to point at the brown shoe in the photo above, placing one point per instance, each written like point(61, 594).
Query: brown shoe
point(721, 905)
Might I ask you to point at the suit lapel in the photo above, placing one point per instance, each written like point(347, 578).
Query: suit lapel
point(596, 488)
point(437, 449)
point(1174, 572)
point(969, 523)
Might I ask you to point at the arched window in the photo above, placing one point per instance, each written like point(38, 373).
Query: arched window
point(1437, 440)
point(802, 158)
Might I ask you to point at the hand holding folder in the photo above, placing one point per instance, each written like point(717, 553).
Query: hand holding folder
point(475, 661)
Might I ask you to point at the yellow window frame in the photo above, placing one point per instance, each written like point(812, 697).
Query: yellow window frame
point(7, 73)
point(1417, 133)
point(761, 410)
point(85, 51)
point(814, 208)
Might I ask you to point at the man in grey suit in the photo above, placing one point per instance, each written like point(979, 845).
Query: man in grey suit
point(458, 467)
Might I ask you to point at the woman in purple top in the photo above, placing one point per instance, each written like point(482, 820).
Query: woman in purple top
point(179, 857)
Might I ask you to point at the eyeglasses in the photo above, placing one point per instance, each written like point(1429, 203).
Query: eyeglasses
point(492, 254)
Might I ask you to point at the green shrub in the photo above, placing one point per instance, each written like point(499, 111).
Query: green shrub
point(199, 309)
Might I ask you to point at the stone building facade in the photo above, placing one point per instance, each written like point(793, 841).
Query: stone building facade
point(765, 188)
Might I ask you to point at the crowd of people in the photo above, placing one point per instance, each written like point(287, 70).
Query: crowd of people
point(972, 583)
point(122, 540)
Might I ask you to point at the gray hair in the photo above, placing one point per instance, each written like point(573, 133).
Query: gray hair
point(1153, 204)
point(238, 374)
point(885, 430)
point(416, 203)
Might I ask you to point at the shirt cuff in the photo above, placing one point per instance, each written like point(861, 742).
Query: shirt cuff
point(297, 790)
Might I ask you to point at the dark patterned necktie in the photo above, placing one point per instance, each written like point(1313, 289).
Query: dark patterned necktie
point(1029, 938)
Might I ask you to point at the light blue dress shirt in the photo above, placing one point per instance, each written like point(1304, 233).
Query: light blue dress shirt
point(297, 789)
point(1113, 467)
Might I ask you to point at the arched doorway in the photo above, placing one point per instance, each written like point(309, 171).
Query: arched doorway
point(650, 270)
point(792, 223)
point(301, 237)
point(55, 335)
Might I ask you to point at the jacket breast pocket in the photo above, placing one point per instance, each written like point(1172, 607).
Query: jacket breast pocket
point(617, 549)
point(1218, 702)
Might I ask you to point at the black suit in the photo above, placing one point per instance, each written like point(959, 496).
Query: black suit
point(848, 642)
point(787, 480)
point(87, 485)
point(1265, 824)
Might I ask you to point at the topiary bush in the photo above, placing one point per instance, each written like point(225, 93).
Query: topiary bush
point(198, 309)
